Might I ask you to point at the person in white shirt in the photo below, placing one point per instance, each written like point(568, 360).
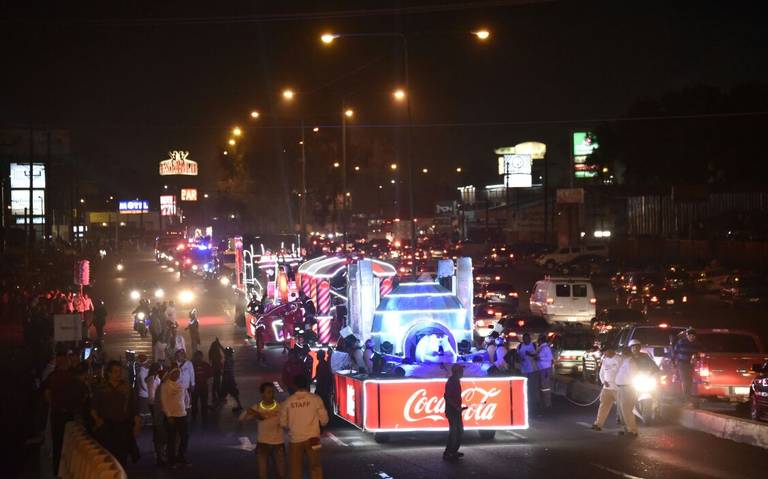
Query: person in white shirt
point(174, 407)
point(625, 392)
point(175, 341)
point(187, 376)
point(609, 395)
point(159, 349)
point(270, 441)
point(544, 371)
point(302, 414)
point(490, 346)
point(526, 353)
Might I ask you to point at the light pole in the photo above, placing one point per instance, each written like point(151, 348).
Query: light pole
point(346, 113)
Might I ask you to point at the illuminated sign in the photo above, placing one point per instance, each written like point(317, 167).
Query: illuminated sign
point(584, 144)
point(20, 175)
point(133, 207)
point(178, 163)
point(535, 149)
point(168, 205)
point(516, 170)
point(189, 194)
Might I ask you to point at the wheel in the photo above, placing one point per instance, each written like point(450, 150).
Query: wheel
point(645, 408)
point(487, 435)
point(381, 437)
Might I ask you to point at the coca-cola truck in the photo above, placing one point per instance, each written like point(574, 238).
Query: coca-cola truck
point(386, 406)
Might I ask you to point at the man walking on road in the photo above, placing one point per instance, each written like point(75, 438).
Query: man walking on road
point(172, 399)
point(609, 394)
point(682, 353)
point(634, 362)
point(453, 410)
point(200, 392)
point(302, 414)
point(116, 419)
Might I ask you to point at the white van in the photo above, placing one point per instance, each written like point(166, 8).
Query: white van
point(570, 253)
point(564, 300)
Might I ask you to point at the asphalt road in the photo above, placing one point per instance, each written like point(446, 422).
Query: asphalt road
point(558, 445)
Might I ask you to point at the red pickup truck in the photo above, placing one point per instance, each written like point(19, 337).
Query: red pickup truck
point(724, 368)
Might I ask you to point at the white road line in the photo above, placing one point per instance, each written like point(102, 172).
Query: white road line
point(584, 424)
point(384, 475)
point(335, 439)
point(516, 435)
point(618, 473)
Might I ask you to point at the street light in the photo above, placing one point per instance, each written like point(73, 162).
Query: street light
point(288, 94)
point(458, 170)
point(236, 131)
point(225, 153)
point(315, 129)
point(328, 38)
point(425, 170)
point(399, 94)
point(482, 34)
point(349, 112)
point(336, 164)
point(357, 168)
point(232, 142)
point(393, 166)
point(254, 114)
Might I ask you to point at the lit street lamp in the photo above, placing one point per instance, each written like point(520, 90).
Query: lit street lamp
point(288, 94)
point(254, 114)
point(399, 94)
point(482, 34)
point(236, 131)
point(232, 142)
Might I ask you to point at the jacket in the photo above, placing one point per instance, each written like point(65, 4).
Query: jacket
point(302, 414)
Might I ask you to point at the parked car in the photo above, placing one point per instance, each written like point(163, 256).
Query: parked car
point(564, 300)
point(656, 297)
point(724, 369)
point(758, 393)
point(744, 289)
point(569, 253)
point(588, 265)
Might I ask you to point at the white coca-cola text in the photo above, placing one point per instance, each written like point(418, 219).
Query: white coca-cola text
point(420, 407)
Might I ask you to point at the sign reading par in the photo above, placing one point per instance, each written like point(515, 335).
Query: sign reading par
point(189, 194)
point(178, 163)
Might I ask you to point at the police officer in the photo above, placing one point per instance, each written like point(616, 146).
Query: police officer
point(684, 350)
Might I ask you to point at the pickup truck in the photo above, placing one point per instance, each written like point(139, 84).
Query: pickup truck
point(724, 369)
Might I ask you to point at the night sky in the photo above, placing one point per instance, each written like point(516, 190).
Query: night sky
point(134, 81)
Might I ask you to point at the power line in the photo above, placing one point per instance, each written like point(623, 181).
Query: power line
point(285, 17)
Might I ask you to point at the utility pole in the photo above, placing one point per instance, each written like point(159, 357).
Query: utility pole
point(303, 202)
point(344, 175)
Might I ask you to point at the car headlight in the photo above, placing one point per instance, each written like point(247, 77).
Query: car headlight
point(159, 293)
point(644, 383)
point(135, 295)
point(119, 267)
point(194, 267)
point(140, 315)
point(186, 296)
point(224, 281)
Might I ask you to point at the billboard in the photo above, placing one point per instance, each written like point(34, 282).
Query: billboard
point(168, 205)
point(584, 144)
point(178, 163)
point(20, 175)
point(516, 170)
point(189, 194)
point(133, 207)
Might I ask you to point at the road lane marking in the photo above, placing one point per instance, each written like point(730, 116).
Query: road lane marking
point(384, 475)
point(618, 473)
point(335, 439)
point(245, 444)
point(516, 434)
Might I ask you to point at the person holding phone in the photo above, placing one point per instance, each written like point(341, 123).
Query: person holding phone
point(453, 410)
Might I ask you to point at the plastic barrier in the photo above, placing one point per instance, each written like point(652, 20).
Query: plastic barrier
point(84, 458)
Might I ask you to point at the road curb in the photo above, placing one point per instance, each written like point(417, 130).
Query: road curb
point(726, 427)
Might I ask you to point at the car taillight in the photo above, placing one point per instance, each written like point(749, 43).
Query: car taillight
point(550, 300)
point(514, 295)
point(592, 300)
point(654, 299)
point(497, 278)
point(490, 311)
point(685, 299)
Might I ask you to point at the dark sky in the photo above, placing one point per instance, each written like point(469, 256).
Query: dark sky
point(133, 80)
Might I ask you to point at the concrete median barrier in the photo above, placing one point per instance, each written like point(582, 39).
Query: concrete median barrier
point(727, 427)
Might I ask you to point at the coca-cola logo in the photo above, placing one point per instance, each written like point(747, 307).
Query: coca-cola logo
point(420, 407)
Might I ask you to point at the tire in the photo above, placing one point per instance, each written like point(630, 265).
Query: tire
point(487, 435)
point(645, 408)
point(381, 437)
